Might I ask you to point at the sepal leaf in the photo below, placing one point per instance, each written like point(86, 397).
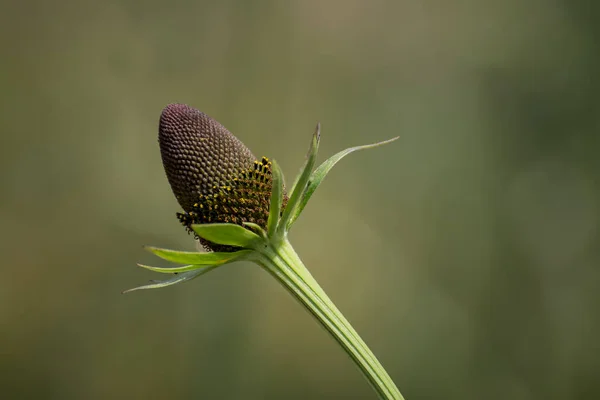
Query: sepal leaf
point(173, 270)
point(196, 258)
point(228, 234)
point(179, 278)
point(256, 229)
point(300, 184)
point(276, 198)
point(321, 172)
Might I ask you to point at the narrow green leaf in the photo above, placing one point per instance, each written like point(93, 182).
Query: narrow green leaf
point(256, 229)
point(227, 234)
point(180, 278)
point(196, 258)
point(319, 174)
point(301, 180)
point(173, 270)
point(186, 268)
point(312, 153)
point(276, 198)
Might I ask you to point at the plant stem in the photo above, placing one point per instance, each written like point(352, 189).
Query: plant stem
point(282, 262)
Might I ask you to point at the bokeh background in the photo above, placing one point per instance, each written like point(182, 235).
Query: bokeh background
point(466, 253)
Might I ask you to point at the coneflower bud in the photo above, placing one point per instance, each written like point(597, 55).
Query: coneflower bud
point(214, 177)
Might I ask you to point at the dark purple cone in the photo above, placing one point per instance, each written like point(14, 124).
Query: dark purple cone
point(198, 153)
point(214, 177)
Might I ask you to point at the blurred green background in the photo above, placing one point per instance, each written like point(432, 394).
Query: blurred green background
point(466, 254)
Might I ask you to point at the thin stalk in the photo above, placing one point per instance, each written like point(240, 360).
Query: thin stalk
point(294, 260)
point(282, 262)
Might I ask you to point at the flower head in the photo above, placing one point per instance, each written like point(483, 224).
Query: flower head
point(233, 203)
point(213, 175)
point(236, 206)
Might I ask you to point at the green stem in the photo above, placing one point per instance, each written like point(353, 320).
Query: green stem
point(282, 262)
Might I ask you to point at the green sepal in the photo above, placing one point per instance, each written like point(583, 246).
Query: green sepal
point(276, 198)
point(256, 229)
point(301, 180)
point(319, 174)
point(173, 270)
point(196, 258)
point(179, 278)
point(228, 234)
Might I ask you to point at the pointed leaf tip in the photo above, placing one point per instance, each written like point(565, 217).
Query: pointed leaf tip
point(322, 170)
point(173, 270)
point(299, 185)
point(179, 278)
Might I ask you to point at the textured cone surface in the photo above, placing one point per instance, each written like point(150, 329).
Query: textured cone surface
point(214, 177)
point(198, 153)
